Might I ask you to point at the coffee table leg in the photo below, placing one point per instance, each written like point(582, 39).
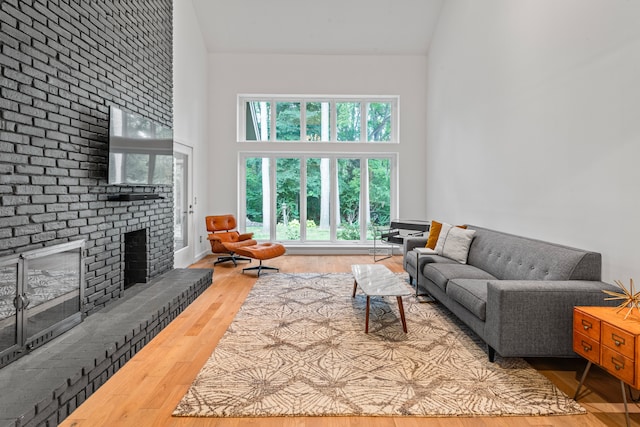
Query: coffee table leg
point(355, 285)
point(401, 308)
point(366, 325)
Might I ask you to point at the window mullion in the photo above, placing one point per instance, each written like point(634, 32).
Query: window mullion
point(393, 188)
point(364, 197)
point(242, 191)
point(273, 160)
point(363, 121)
point(394, 122)
point(303, 120)
point(303, 199)
point(333, 121)
point(333, 214)
point(272, 133)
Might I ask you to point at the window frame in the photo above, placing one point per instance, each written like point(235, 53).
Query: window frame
point(364, 101)
point(304, 156)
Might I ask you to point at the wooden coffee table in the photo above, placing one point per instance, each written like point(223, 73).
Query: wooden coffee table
point(378, 280)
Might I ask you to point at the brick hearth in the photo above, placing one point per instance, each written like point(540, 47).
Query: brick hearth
point(45, 386)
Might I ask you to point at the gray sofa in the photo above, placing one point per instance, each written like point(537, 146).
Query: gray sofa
point(516, 293)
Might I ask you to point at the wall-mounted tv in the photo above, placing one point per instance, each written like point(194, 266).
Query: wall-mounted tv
point(140, 150)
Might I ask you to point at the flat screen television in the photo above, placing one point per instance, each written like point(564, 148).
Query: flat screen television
point(140, 150)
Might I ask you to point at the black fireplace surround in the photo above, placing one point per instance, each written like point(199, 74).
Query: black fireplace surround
point(63, 64)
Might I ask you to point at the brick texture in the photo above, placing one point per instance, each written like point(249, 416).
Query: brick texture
point(63, 63)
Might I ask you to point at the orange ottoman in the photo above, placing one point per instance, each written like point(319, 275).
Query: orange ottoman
point(261, 251)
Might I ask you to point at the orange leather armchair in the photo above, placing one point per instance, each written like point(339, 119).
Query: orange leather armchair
point(225, 239)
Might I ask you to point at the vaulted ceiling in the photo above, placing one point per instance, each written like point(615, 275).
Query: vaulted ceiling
point(340, 27)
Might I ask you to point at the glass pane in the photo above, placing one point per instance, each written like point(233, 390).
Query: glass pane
point(348, 118)
point(53, 290)
point(379, 171)
point(318, 199)
point(379, 121)
point(349, 199)
point(288, 121)
point(288, 199)
point(180, 202)
point(258, 121)
point(318, 121)
point(258, 194)
point(8, 292)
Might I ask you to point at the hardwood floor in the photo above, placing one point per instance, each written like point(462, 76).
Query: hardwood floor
point(146, 390)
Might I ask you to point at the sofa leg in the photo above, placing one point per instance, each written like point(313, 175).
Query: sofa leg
point(492, 353)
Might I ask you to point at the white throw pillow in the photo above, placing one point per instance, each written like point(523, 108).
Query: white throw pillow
point(442, 237)
point(457, 243)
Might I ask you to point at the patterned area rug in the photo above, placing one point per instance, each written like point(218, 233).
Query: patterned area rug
point(297, 347)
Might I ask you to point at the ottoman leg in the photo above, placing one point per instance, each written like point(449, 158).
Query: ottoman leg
point(260, 268)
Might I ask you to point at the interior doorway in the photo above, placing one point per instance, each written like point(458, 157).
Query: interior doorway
point(183, 227)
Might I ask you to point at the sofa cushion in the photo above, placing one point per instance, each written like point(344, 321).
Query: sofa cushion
point(440, 273)
point(510, 257)
point(456, 246)
point(471, 294)
point(425, 258)
point(444, 230)
point(439, 237)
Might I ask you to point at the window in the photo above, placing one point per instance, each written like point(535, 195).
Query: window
point(318, 119)
point(316, 197)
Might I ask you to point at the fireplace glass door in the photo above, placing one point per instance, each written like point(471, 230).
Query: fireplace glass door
point(41, 296)
point(9, 278)
point(51, 289)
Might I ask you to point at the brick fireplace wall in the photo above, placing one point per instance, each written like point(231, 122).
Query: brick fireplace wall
point(63, 63)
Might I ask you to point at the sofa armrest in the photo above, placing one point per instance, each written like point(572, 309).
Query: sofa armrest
point(535, 318)
point(414, 242)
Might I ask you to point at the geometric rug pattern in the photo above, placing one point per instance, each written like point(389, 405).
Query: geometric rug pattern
point(297, 347)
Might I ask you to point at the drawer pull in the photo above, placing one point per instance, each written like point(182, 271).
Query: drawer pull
point(618, 341)
point(617, 364)
point(586, 347)
point(586, 325)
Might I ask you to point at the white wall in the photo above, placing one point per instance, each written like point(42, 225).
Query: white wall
point(191, 104)
point(233, 74)
point(534, 122)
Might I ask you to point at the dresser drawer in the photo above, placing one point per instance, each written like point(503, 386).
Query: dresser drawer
point(586, 347)
point(586, 324)
point(618, 365)
point(615, 338)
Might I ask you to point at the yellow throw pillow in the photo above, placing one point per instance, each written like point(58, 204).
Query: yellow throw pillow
point(434, 232)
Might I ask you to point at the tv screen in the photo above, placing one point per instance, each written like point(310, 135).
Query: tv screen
point(140, 150)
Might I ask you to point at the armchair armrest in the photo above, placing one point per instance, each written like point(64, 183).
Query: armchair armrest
point(390, 235)
point(212, 237)
point(535, 317)
point(245, 236)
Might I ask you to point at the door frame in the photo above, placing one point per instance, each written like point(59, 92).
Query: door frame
point(185, 256)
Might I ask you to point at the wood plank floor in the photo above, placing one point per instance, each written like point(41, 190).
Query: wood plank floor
point(146, 390)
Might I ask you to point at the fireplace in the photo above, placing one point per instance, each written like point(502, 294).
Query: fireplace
point(136, 261)
point(41, 296)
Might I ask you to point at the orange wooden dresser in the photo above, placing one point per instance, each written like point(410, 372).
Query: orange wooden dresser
point(605, 338)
